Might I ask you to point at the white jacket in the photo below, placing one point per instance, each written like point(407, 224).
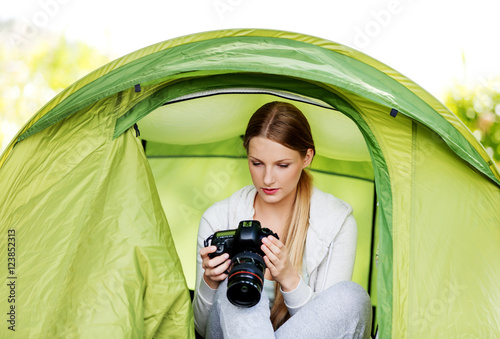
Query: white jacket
point(329, 253)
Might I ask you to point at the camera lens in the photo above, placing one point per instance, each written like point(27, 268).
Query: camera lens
point(245, 280)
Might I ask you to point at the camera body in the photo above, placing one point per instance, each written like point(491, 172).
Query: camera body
point(246, 275)
point(247, 237)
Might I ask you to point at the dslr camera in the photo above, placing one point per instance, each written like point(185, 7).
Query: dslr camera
point(246, 275)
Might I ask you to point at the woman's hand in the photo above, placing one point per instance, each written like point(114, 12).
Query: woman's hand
point(278, 263)
point(214, 268)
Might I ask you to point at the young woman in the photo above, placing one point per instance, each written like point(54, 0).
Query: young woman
point(307, 288)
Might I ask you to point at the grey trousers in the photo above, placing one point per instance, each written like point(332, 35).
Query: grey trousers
point(342, 311)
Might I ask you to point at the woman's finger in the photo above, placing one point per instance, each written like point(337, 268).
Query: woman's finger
point(215, 262)
point(270, 266)
point(207, 250)
point(218, 273)
point(221, 268)
point(276, 241)
point(272, 246)
point(271, 256)
point(269, 263)
point(212, 263)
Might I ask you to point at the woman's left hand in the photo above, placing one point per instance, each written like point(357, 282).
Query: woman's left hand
point(279, 264)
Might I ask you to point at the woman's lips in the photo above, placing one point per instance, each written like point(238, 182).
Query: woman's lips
point(270, 191)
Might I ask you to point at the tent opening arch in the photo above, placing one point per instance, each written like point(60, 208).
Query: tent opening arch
point(194, 146)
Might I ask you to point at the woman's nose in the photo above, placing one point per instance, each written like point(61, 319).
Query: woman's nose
point(268, 177)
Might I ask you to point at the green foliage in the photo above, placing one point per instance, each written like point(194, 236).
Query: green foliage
point(479, 108)
point(34, 73)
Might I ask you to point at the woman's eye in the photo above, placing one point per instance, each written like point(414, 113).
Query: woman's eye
point(283, 165)
point(256, 163)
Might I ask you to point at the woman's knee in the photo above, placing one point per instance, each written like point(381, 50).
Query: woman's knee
point(352, 298)
point(341, 311)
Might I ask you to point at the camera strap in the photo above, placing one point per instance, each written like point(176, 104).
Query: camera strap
point(207, 241)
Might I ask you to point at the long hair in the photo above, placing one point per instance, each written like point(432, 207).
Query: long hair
point(285, 124)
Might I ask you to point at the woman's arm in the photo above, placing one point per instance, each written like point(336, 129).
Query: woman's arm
point(209, 273)
point(338, 265)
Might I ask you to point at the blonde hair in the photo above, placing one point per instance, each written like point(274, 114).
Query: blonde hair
point(285, 124)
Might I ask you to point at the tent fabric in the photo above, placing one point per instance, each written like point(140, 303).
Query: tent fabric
point(365, 76)
point(92, 260)
point(83, 189)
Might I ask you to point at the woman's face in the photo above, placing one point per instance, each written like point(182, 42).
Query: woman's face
point(275, 169)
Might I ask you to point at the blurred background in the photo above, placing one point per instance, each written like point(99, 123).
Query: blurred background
point(449, 48)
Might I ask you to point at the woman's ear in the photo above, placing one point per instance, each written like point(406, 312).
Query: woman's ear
point(308, 158)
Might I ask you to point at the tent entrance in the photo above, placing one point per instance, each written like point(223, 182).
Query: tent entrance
point(193, 144)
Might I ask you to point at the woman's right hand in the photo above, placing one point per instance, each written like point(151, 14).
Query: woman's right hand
point(214, 268)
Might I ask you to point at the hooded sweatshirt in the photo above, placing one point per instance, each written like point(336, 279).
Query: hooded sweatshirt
point(329, 252)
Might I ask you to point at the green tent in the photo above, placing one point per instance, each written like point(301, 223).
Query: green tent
point(89, 184)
